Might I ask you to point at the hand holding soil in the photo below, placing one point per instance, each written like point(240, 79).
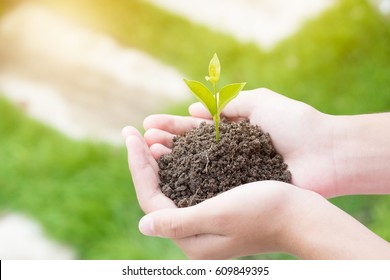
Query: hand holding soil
point(199, 168)
point(271, 216)
point(300, 133)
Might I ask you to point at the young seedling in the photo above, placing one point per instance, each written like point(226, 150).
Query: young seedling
point(214, 101)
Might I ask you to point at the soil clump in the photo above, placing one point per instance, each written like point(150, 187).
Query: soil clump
point(198, 168)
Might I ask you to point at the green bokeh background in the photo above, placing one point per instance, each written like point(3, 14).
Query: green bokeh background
point(82, 193)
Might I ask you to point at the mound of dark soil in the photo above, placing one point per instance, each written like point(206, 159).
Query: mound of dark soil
point(198, 168)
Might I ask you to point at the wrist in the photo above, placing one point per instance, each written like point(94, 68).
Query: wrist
point(301, 210)
point(361, 154)
point(316, 229)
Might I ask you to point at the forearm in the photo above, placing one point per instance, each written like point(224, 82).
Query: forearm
point(362, 154)
point(320, 230)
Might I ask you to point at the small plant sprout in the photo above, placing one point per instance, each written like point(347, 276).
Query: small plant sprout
point(214, 101)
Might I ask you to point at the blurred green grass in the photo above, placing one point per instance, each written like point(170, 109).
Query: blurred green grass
point(81, 192)
point(336, 62)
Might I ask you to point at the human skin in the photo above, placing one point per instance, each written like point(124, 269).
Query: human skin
point(326, 156)
point(336, 149)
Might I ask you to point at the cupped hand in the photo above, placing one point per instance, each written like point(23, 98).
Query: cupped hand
point(300, 133)
point(248, 219)
point(259, 217)
point(144, 171)
point(263, 216)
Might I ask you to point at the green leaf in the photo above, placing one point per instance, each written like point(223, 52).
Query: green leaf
point(203, 94)
point(227, 93)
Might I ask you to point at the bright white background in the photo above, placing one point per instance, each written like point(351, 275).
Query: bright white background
point(310, 270)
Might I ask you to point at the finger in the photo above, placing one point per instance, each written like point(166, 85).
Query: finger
point(158, 150)
point(212, 216)
point(132, 131)
point(154, 136)
point(172, 124)
point(239, 108)
point(257, 101)
point(177, 223)
point(242, 106)
point(145, 177)
point(199, 111)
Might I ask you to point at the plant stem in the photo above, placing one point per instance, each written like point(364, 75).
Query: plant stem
point(216, 122)
point(216, 117)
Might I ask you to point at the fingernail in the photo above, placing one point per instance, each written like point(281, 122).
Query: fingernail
point(146, 226)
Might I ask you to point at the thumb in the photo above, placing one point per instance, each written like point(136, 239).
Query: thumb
point(174, 223)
